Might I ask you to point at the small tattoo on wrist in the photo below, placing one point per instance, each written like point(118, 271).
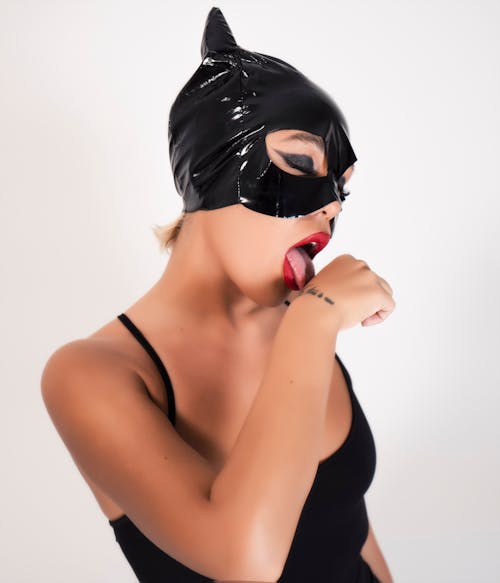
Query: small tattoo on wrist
point(315, 292)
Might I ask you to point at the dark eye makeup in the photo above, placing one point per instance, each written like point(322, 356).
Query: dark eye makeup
point(300, 162)
point(305, 164)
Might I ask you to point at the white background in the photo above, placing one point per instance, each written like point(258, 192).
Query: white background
point(85, 92)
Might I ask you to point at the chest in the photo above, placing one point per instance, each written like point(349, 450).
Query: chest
point(213, 396)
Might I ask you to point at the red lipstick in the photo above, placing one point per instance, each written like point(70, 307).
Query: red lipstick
point(321, 239)
point(314, 244)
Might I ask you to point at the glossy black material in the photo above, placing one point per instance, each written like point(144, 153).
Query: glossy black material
point(220, 118)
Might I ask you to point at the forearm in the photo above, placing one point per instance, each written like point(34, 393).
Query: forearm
point(272, 466)
point(372, 554)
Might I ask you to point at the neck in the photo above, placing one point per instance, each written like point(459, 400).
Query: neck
point(196, 290)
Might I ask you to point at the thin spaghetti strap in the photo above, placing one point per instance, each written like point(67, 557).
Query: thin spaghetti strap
point(139, 336)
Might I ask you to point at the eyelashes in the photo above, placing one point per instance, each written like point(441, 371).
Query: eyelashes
point(300, 162)
point(341, 186)
point(304, 163)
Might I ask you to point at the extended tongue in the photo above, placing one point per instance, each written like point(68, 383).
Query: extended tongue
point(301, 264)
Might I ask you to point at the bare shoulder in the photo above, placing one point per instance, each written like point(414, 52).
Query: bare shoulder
point(86, 375)
point(123, 441)
point(91, 360)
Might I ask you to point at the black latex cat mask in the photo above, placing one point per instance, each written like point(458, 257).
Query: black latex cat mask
point(220, 118)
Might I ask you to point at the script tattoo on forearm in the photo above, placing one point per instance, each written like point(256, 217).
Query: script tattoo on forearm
point(314, 291)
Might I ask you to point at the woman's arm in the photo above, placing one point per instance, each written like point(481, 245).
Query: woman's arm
point(280, 442)
point(372, 554)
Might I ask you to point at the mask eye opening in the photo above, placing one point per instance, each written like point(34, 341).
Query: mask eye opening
point(297, 143)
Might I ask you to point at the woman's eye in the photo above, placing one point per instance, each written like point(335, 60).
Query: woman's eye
point(304, 170)
point(300, 162)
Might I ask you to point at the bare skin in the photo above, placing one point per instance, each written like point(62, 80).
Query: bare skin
point(225, 302)
point(212, 317)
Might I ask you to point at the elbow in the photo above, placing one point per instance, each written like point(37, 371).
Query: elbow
point(253, 559)
point(249, 552)
point(248, 568)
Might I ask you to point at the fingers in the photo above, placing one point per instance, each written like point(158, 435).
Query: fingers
point(389, 305)
point(378, 317)
point(385, 285)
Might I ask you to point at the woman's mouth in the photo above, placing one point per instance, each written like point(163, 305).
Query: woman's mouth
point(298, 268)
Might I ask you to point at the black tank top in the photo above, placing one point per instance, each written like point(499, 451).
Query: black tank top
point(332, 527)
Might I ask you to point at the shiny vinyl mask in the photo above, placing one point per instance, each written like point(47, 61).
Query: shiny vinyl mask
point(220, 118)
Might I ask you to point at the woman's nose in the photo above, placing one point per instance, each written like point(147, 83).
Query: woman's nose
point(331, 209)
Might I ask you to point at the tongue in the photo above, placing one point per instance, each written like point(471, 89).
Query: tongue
point(301, 264)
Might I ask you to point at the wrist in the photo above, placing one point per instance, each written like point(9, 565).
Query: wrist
point(315, 308)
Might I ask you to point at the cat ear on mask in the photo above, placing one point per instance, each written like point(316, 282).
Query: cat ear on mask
point(217, 35)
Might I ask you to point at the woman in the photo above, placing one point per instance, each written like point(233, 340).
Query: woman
point(248, 460)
